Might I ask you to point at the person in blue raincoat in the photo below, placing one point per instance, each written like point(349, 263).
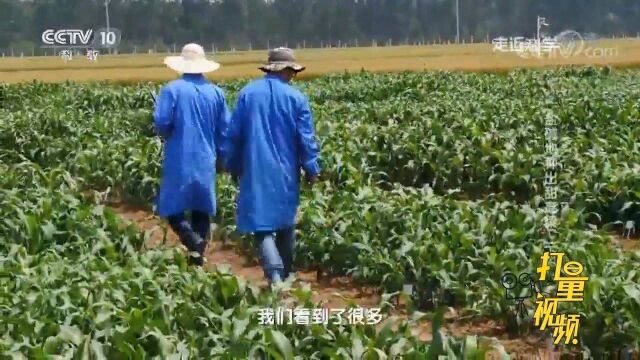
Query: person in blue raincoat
point(271, 137)
point(191, 116)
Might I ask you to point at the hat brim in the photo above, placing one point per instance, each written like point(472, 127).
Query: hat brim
point(279, 66)
point(184, 66)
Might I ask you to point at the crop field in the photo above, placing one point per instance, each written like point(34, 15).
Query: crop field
point(620, 53)
point(429, 178)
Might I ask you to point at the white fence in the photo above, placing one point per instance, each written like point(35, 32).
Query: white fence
point(214, 48)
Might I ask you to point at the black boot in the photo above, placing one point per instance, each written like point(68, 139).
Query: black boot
point(197, 246)
point(194, 244)
point(200, 248)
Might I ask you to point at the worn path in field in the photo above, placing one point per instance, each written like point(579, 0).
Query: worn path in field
point(627, 243)
point(334, 293)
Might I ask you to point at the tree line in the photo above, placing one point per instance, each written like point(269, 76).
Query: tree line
point(266, 23)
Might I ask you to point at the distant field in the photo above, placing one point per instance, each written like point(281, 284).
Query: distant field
point(470, 57)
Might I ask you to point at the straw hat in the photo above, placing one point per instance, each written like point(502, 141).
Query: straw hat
point(191, 61)
point(280, 59)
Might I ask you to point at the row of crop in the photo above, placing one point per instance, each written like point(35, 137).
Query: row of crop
point(151, 305)
point(596, 168)
point(44, 212)
point(482, 134)
point(378, 236)
point(478, 145)
point(74, 282)
point(356, 88)
point(467, 155)
point(116, 149)
point(456, 252)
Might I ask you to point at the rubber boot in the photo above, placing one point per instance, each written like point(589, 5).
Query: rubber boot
point(194, 244)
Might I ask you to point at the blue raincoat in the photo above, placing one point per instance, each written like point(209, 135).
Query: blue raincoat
point(191, 115)
point(271, 137)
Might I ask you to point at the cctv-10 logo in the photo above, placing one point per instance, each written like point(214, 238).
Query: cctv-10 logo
point(73, 38)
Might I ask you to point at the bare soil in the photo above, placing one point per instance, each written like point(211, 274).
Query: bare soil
point(626, 243)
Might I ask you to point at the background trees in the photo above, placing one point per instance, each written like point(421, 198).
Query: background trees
point(241, 23)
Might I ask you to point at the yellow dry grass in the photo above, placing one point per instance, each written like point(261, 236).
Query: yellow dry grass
point(470, 57)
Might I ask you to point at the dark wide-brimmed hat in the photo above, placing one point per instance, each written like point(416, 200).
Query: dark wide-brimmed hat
point(280, 59)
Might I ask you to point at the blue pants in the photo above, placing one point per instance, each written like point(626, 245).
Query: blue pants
point(276, 253)
point(193, 234)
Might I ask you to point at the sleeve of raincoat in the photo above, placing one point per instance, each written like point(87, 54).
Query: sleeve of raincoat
point(309, 150)
point(222, 128)
point(163, 115)
point(233, 143)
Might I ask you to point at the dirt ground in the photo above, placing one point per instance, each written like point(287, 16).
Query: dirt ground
point(627, 243)
point(335, 293)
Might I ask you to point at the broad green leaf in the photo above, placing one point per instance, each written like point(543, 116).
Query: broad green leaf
point(282, 344)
